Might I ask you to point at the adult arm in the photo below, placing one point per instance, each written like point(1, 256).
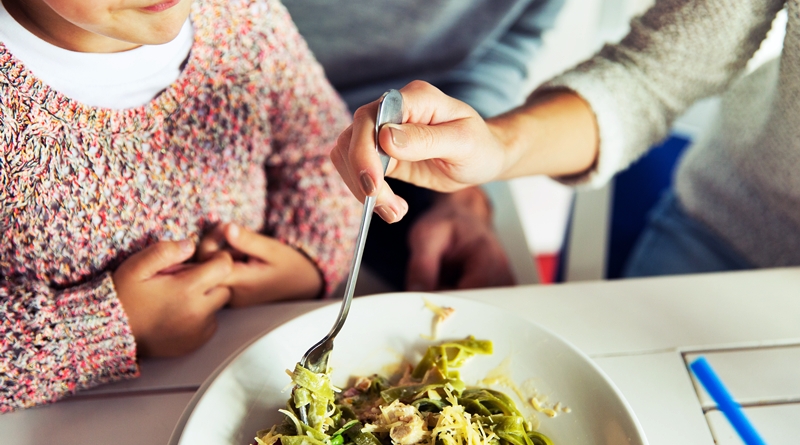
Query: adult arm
point(456, 232)
point(678, 52)
point(582, 126)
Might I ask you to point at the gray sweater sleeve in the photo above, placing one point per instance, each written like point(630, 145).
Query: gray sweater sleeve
point(493, 80)
point(679, 51)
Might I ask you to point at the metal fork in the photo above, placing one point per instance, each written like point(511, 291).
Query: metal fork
point(390, 110)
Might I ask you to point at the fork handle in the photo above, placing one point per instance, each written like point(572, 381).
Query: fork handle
point(390, 110)
point(350, 287)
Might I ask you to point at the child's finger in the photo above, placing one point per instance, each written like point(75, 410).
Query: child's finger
point(205, 307)
point(215, 299)
point(250, 275)
point(211, 243)
point(251, 243)
point(209, 273)
point(175, 268)
point(158, 257)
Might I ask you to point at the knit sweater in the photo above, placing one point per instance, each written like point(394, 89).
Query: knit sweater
point(742, 179)
point(243, 135)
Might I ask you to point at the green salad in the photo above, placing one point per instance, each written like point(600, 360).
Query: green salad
point(428, 405)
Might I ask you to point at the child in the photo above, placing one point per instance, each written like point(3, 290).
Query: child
point(130, 134)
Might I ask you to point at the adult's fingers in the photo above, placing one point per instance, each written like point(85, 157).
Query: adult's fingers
point(483, 266)
point(432, 125)
point(390, 207)
point(428, 244)
point(158, 257)
point(442, 158)
point(442, 143)
point(339, 158)
point(420, 142)
point(364, 165)
point(422, 104)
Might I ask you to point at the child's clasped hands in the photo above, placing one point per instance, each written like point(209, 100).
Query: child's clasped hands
point(172, 290)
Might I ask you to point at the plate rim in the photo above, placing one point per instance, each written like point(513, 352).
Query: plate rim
point(180, 426)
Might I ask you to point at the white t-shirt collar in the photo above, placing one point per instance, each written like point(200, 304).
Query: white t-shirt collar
point(110, 80)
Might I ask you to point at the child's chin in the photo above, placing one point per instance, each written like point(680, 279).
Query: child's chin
point(160, 36)
point(164, 27)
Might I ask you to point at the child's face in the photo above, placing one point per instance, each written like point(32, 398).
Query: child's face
point(102, 25)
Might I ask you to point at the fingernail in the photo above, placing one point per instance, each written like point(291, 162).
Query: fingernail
point(186, 246)
point(386, 213)
point(399, 137)
point(233, 230)
point(367, 183)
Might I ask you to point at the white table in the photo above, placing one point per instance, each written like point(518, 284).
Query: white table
point(641, 332)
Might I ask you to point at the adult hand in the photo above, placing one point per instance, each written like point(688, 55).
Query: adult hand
point(264, 269)
point(454, 245)
point(171, 306)
point(443, 145)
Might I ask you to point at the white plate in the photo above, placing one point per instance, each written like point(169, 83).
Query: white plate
point(243, 396)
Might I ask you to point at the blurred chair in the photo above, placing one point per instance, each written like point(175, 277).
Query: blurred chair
point(509, 229)
point(605, 223)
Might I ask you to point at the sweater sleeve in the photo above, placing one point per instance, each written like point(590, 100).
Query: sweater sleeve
point(56, 342)
point(493, 80)
point(309, 206)
point(678, 52)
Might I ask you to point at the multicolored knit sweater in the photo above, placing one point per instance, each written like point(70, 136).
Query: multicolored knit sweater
point(243, 135)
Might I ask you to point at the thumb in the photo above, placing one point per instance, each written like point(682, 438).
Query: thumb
point(435, 125)
point(158, 257)
point(427, 244)
point(248, 242)
point(421, 142)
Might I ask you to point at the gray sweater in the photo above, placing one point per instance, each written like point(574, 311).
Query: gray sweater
point(478, 51)
point(743, 179)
